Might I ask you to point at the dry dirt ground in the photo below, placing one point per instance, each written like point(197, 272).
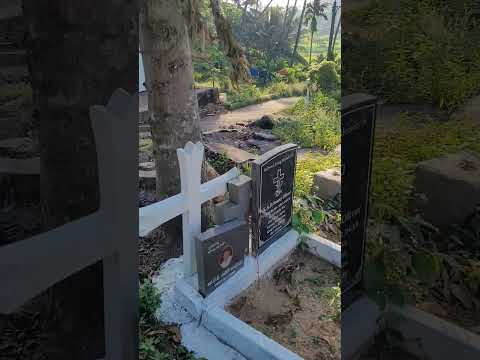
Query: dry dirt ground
point(298, 307)
point(247, 114)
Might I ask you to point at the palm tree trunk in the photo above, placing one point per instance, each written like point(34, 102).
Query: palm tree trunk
point(332, 29)
point(311, 45)
point(336, 34)
point(294, 11)
point(285, 16)
point(297, 39)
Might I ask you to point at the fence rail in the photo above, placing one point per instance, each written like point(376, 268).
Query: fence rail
point(187, 203)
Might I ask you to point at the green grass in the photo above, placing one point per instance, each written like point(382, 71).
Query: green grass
point(396, 154)
point(320, 46)
point(307, 166)
point(251, 94)
point(312, 125)
point(415, 53)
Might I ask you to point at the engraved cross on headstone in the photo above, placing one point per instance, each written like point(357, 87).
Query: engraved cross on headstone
point(278, 182)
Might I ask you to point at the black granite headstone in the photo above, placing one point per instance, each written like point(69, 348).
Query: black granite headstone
point(273, 179)
point(358, 127)
point(221, 252)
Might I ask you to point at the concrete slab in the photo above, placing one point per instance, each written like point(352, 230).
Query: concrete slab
point(195, 337)
point(237, 155)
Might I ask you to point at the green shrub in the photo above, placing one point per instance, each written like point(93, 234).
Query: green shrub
point(413, 52)
point(313, 124)
point(149, 301)
point(324, 76)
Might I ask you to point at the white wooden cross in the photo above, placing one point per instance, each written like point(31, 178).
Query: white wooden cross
point(188, 203)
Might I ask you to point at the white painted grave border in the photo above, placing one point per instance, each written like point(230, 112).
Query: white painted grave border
point(232, 331)
point(210, 310)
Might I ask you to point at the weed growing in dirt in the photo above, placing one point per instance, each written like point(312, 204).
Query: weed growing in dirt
point(312, 214)
point(220, 162)
point(149, 300)
point(157, 341)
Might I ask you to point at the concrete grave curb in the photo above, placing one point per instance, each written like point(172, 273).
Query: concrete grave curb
point(232, 331)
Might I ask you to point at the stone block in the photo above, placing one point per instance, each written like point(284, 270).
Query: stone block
point(227, 211)
point(450, 187)
point(240, 189)
point(327, 184)
point(147, 179)
point(238, 204)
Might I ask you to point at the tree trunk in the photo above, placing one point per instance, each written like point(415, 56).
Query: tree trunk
point(294, 11)
point(286, 15)
point(172, 101)
point(332, 29)
point(311, 45)
point(297, 39)
point(77, 57)
point(335, 37)
point(76, 60)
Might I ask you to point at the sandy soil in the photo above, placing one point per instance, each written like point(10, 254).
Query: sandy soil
point(247, 114)
point(297, 307)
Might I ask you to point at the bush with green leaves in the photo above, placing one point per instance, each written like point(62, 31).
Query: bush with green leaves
point(314, 123)
point(324, 77)
point(149, 300)
point(412, 53)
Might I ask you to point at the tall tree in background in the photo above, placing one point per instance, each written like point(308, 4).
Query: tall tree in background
point(332, 31)
point(299, 32)
point(291, 17)
point(314, 10)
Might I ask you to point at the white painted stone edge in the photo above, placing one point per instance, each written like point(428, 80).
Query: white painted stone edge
point(324, 249)
point(190, 299)
point(234, 332)
point(441, 339)
point(243, 338)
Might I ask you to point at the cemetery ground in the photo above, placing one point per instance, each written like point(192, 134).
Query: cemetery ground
point(426, 116)
point(298, 306)
point(235, 145)
point(425, 257)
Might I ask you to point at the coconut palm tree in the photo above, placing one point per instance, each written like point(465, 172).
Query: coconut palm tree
point(313, 11)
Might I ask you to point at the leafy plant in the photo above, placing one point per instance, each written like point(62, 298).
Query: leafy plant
point(312, 124)
point(149, 300)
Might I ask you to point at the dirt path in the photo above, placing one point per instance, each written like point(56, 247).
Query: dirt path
point(246, 114)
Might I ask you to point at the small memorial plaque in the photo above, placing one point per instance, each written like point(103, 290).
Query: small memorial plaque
point(358, 127)
point(221, 252)
point(273, 178)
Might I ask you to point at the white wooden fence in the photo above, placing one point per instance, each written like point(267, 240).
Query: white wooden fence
point(188, 203)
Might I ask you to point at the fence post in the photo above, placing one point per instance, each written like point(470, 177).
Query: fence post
point(190, 162)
